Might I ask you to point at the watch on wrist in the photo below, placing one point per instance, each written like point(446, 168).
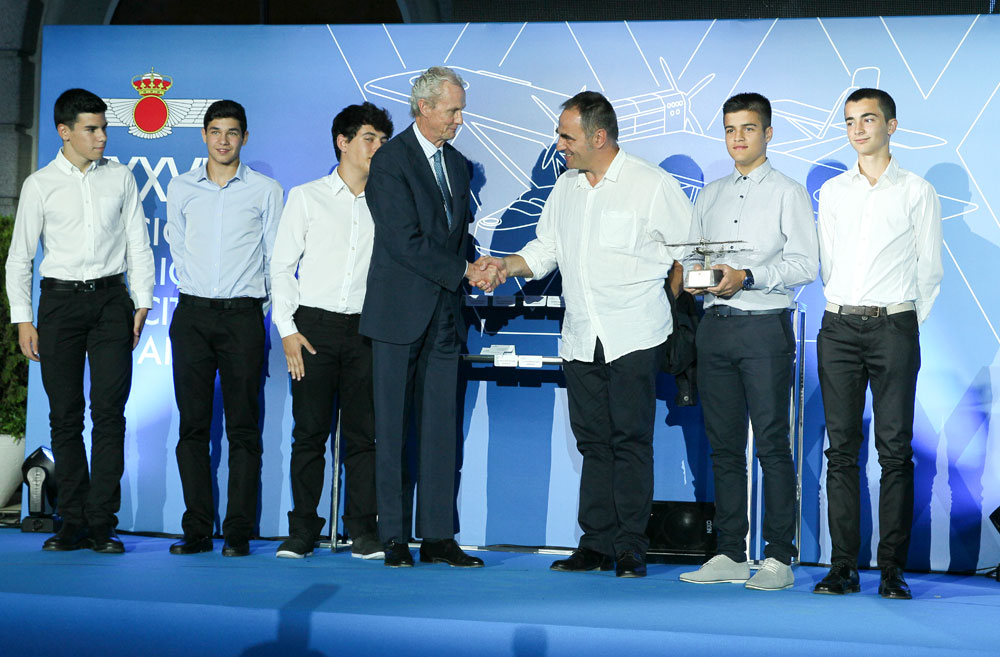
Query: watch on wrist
point(748, 281)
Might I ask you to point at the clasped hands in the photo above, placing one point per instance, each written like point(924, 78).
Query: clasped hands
point(731, 283)
point(487, 273)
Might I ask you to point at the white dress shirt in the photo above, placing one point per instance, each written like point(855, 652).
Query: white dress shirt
point(91, 225)
point(326, 232)
point(609, 242)
point(880, 244)
point(429, 151)
point(772, 217)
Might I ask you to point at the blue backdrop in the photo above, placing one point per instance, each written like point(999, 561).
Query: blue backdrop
point(667, 81)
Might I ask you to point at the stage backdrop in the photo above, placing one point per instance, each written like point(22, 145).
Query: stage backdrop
point(667, 81)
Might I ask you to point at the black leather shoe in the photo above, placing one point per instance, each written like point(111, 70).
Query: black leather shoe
point(106, 541)
point(397, 555)
point(583, 559)
point(842, 578)
point(236, 547)
point(892, 584)
point(630, 564)
point(447, 551)
point(192, 545)
point(70, 537)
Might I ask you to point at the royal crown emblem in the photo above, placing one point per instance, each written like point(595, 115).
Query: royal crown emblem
point(151, 115)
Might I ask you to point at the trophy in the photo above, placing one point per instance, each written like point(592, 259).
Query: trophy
point(707, 277)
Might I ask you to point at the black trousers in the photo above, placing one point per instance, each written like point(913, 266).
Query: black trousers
point(853, 352)
point(745, 373)
point(612, 410)
point(74, 327)
point(231, 342)
point(421, 375)
point(340, 374)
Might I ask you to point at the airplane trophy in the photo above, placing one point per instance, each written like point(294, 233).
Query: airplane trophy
point(707, 277)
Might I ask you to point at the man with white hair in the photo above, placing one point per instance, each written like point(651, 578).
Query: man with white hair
point(418, 194)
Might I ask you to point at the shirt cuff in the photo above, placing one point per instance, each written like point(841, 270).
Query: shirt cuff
point(285, 328)
point(142, 300)
point(20, 314)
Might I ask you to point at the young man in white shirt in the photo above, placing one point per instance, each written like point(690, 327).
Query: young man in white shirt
point(326, 234)
point(86, 211)
point(607, 225)
point(745, 341)
point(880, 251)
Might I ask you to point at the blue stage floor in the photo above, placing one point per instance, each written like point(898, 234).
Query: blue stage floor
point(151, 603)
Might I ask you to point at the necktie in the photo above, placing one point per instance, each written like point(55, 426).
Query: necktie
point(443, 186)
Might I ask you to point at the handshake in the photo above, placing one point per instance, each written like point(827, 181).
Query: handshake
point(487, 273)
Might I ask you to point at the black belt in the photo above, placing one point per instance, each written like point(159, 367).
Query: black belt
point(237, 303)
point(320, 314)
point(59, 285)
point(722, 310)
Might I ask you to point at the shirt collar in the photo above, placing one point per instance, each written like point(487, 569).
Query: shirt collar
point(757, 175)
point(426, 146)
point(890, 175)
point(66, 166)
point(614, 170)
point(337, 184)
point(241, 173)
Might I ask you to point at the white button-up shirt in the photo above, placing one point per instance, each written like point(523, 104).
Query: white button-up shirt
point(880, 244)
point(609, 242)
point(772, 217)
point(91, 225)
point(326, 232)
point(430, 150)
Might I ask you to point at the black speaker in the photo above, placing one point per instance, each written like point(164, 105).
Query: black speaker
point(682, 528)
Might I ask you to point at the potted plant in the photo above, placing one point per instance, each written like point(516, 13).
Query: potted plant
point(13, 386)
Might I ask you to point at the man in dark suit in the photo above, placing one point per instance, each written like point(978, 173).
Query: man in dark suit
point(418, 194)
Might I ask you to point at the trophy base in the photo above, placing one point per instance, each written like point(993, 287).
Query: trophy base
point(703, 278)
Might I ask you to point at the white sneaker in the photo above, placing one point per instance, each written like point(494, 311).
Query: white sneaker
point(717, 570)
point(772, 576)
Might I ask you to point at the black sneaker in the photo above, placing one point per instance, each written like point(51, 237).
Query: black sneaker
point(367, 546)
point(294, 547)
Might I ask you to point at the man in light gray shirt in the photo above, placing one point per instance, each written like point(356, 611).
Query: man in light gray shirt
point(745, 343)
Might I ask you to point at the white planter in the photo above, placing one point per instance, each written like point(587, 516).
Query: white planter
point(11, 458)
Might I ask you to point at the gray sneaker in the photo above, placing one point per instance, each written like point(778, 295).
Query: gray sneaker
point(367, 546)
point(294, 547)
point(717, 570)
point(772, 576)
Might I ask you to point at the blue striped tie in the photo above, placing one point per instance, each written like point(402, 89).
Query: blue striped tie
point(443, 186)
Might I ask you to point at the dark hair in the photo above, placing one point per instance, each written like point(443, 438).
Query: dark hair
point(73, 102)
point(596, 113)
point(226, 109)
point(351, 118)
point(885, 101)
point(751, 102)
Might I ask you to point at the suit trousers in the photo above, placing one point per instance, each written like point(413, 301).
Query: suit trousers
point(612, 410)
point(745, 373)
point(853, 352)
point(229, 342)
point(338, 375)
point(422, 375)
point(74, 327)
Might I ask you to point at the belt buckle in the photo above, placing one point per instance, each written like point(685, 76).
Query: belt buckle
point(876, 311)
point(86, 286)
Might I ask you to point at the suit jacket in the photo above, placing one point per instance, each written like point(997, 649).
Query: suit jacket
point(416, 257)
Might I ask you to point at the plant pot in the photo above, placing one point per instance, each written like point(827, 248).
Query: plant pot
point(11, 458)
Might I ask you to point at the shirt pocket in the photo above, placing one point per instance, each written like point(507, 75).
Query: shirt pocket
point(109, 212)
point(617, 229)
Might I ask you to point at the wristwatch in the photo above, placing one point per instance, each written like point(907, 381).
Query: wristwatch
point(748, 281)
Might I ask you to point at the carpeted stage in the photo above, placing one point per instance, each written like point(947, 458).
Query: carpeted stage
point(150, 603)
